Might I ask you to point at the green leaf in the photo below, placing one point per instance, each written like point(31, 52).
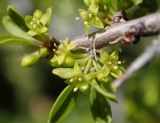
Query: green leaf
point(104, 56)
point(28, 20)
point(103, 73)
point(71, 46)
point(69, 62)
point(87, 2)
point(17, 18)
point(77, 70)
point(45, 19)
point(103, 92)
point(93, 8)
point(37, 14)
point(65, 73)
point(115, 54)
point(15, 40)
point(83, 14)
point(63, 105)
point(114, 4)
point(100, 108)
point(136, 2)
point(98, 23)
point(31, 33)
point(12, 28)
point(61, 59)
point(125, 4)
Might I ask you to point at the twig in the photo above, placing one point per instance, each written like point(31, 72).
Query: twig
point(142, 60)
point(151, 24)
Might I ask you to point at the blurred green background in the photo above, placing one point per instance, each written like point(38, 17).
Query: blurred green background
point(27, 94)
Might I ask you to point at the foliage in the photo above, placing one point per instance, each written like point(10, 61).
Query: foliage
point(90, 73)
point(83, 71)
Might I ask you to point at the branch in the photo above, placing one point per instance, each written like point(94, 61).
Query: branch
point(151, 26)
point(142, 60)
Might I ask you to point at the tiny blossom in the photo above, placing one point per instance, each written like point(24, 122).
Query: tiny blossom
point(85, 23)
point(80, 79)
point(84, 87)
point(109, 63)
point(71, 80)
point(115, 67)
point(75, 89)
point(119, 62)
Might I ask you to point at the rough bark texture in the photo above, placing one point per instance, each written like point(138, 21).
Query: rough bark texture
point(149, 25)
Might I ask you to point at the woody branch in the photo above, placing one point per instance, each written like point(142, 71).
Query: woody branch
point(144, 26)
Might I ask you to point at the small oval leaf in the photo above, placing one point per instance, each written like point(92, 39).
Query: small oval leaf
point(65, 73)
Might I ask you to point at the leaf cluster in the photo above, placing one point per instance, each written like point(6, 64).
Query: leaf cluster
point(89, 75)
point(84, 72)
point(100, 13)
point(27, 30)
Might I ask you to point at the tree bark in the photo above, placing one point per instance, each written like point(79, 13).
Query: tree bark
point(150, 24)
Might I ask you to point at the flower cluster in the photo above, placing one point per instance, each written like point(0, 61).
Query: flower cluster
point(84, 72)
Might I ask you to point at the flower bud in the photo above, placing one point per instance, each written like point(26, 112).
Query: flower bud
point(43, 52)
point(29, 60)
point(69, 62)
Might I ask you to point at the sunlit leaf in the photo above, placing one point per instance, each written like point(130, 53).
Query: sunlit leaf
point(77, 70)
point(83, 14)
point(61, 59)
point(98, 23)
point(12, 28)
point(93, 8)
point(45, 19)
point(63, 105)
point(87, 2)
point(103, 73)
point(115, 54)
point(104, 56)
point(65, 73)
point(37, 14)
point(69, 62)
point(71, 46)
point(15, 40)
